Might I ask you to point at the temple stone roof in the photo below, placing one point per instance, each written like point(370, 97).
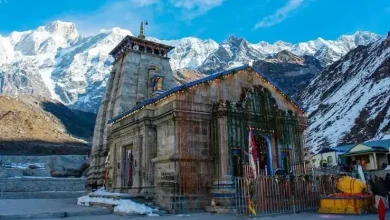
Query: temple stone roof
point(129, 41)
point(196, 82)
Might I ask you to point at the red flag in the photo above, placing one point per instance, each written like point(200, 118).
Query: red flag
point(254, 148)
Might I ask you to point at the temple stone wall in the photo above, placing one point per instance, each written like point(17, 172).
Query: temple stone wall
point(132, 136)
point(129, 84)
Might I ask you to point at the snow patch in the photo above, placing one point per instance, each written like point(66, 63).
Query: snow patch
point(123, 206)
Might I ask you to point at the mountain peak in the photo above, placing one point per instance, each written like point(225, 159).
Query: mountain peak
point(116, 31)
point(234, 39)
point(66, 29)
point(280, 43)
point(286, 56)
point(360, 37)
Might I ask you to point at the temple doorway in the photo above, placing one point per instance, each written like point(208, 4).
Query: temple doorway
point(240, 158)
point(261, 147)
point(128, 168)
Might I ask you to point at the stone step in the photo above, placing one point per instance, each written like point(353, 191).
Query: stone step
point(113, 196)
point(221, 210)
point(119, 196)
point(42, 195)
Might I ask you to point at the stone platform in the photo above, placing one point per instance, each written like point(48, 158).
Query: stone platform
point(41, 187)
point(45, 208)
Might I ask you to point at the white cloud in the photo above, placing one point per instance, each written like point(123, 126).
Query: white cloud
point(194, 8)
point(193, 4)
point(280, 14)
point(143, 3)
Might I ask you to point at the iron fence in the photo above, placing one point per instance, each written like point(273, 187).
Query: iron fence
point(281, 194)
point(296, 169)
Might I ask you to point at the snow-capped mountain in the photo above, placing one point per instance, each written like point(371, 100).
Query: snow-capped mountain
point(350, 100)
point(57, 62)
point(235, 51)
point(189, 52)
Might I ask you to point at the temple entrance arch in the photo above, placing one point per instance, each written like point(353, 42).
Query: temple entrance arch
point(275, 131)
point(240, 156)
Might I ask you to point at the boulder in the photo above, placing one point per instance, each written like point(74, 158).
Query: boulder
point(33, 166)
point(63, 163)
point(66, 173)
point(71, 172)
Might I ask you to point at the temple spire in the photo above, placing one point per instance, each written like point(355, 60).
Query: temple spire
point(141, 30)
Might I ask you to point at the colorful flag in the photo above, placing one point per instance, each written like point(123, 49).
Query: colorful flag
point(252, 153)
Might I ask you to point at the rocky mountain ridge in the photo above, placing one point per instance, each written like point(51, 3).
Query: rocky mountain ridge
point(289, 71)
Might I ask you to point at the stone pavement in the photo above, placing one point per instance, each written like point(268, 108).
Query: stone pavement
point(45, 208)
point(206, 216)
point(61, 208)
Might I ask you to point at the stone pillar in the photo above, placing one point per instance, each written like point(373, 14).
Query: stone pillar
point(223, 190)
point(148, 167)
point(145, 163)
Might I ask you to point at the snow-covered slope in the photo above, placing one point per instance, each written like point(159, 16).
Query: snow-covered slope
point(350, 100)
point(57, 62)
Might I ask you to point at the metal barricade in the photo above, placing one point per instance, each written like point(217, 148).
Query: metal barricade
point(280, 195)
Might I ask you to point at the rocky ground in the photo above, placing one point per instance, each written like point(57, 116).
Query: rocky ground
point(39, 126)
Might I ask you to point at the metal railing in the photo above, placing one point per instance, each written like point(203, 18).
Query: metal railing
point(281, 194)
point(296, 169)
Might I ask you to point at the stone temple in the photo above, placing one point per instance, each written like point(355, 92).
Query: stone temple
point(184, 145)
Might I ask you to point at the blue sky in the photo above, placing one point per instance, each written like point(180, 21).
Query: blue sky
point(256, 20)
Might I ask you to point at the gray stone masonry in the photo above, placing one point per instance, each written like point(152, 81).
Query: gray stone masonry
point(129, 84)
